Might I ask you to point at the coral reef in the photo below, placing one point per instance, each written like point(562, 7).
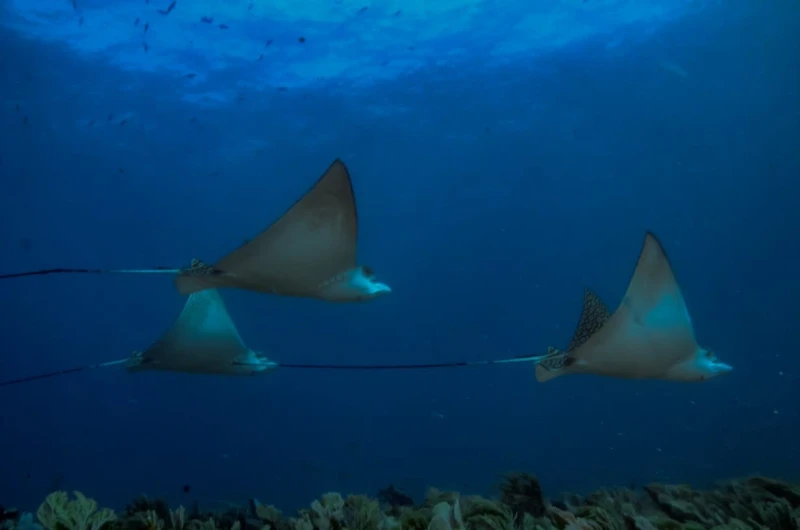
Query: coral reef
point(58, 512)
point(755, 503)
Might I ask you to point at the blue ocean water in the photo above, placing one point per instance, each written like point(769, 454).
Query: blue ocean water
point(503, 156)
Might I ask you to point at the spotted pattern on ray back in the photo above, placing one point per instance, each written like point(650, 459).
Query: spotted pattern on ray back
point(593, 315)
point(198, 268)
point(556, 360)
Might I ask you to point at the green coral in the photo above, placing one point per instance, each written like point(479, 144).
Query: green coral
point(484, 514)
point(327, 513)
point(523, 494)
point(755, 503)
point(447, 516)
point(58, 512)
point(363, 513)
point(413, 518)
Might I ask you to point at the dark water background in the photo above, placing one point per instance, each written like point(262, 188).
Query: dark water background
point(488, 197)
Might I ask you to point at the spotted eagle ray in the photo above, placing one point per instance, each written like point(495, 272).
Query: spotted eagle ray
point(204, 340)
point(649, 336)
point(310, 251)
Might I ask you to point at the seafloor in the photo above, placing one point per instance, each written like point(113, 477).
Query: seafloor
point(751, 503)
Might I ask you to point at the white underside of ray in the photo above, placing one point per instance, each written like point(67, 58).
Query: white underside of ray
point(204, 338)
point(650, 332)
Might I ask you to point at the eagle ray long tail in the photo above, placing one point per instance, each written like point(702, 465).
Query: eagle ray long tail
point(307, 366)
point(54, 373)
point(43, 272)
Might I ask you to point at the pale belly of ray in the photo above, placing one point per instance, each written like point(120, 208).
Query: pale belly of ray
point(635, 347)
